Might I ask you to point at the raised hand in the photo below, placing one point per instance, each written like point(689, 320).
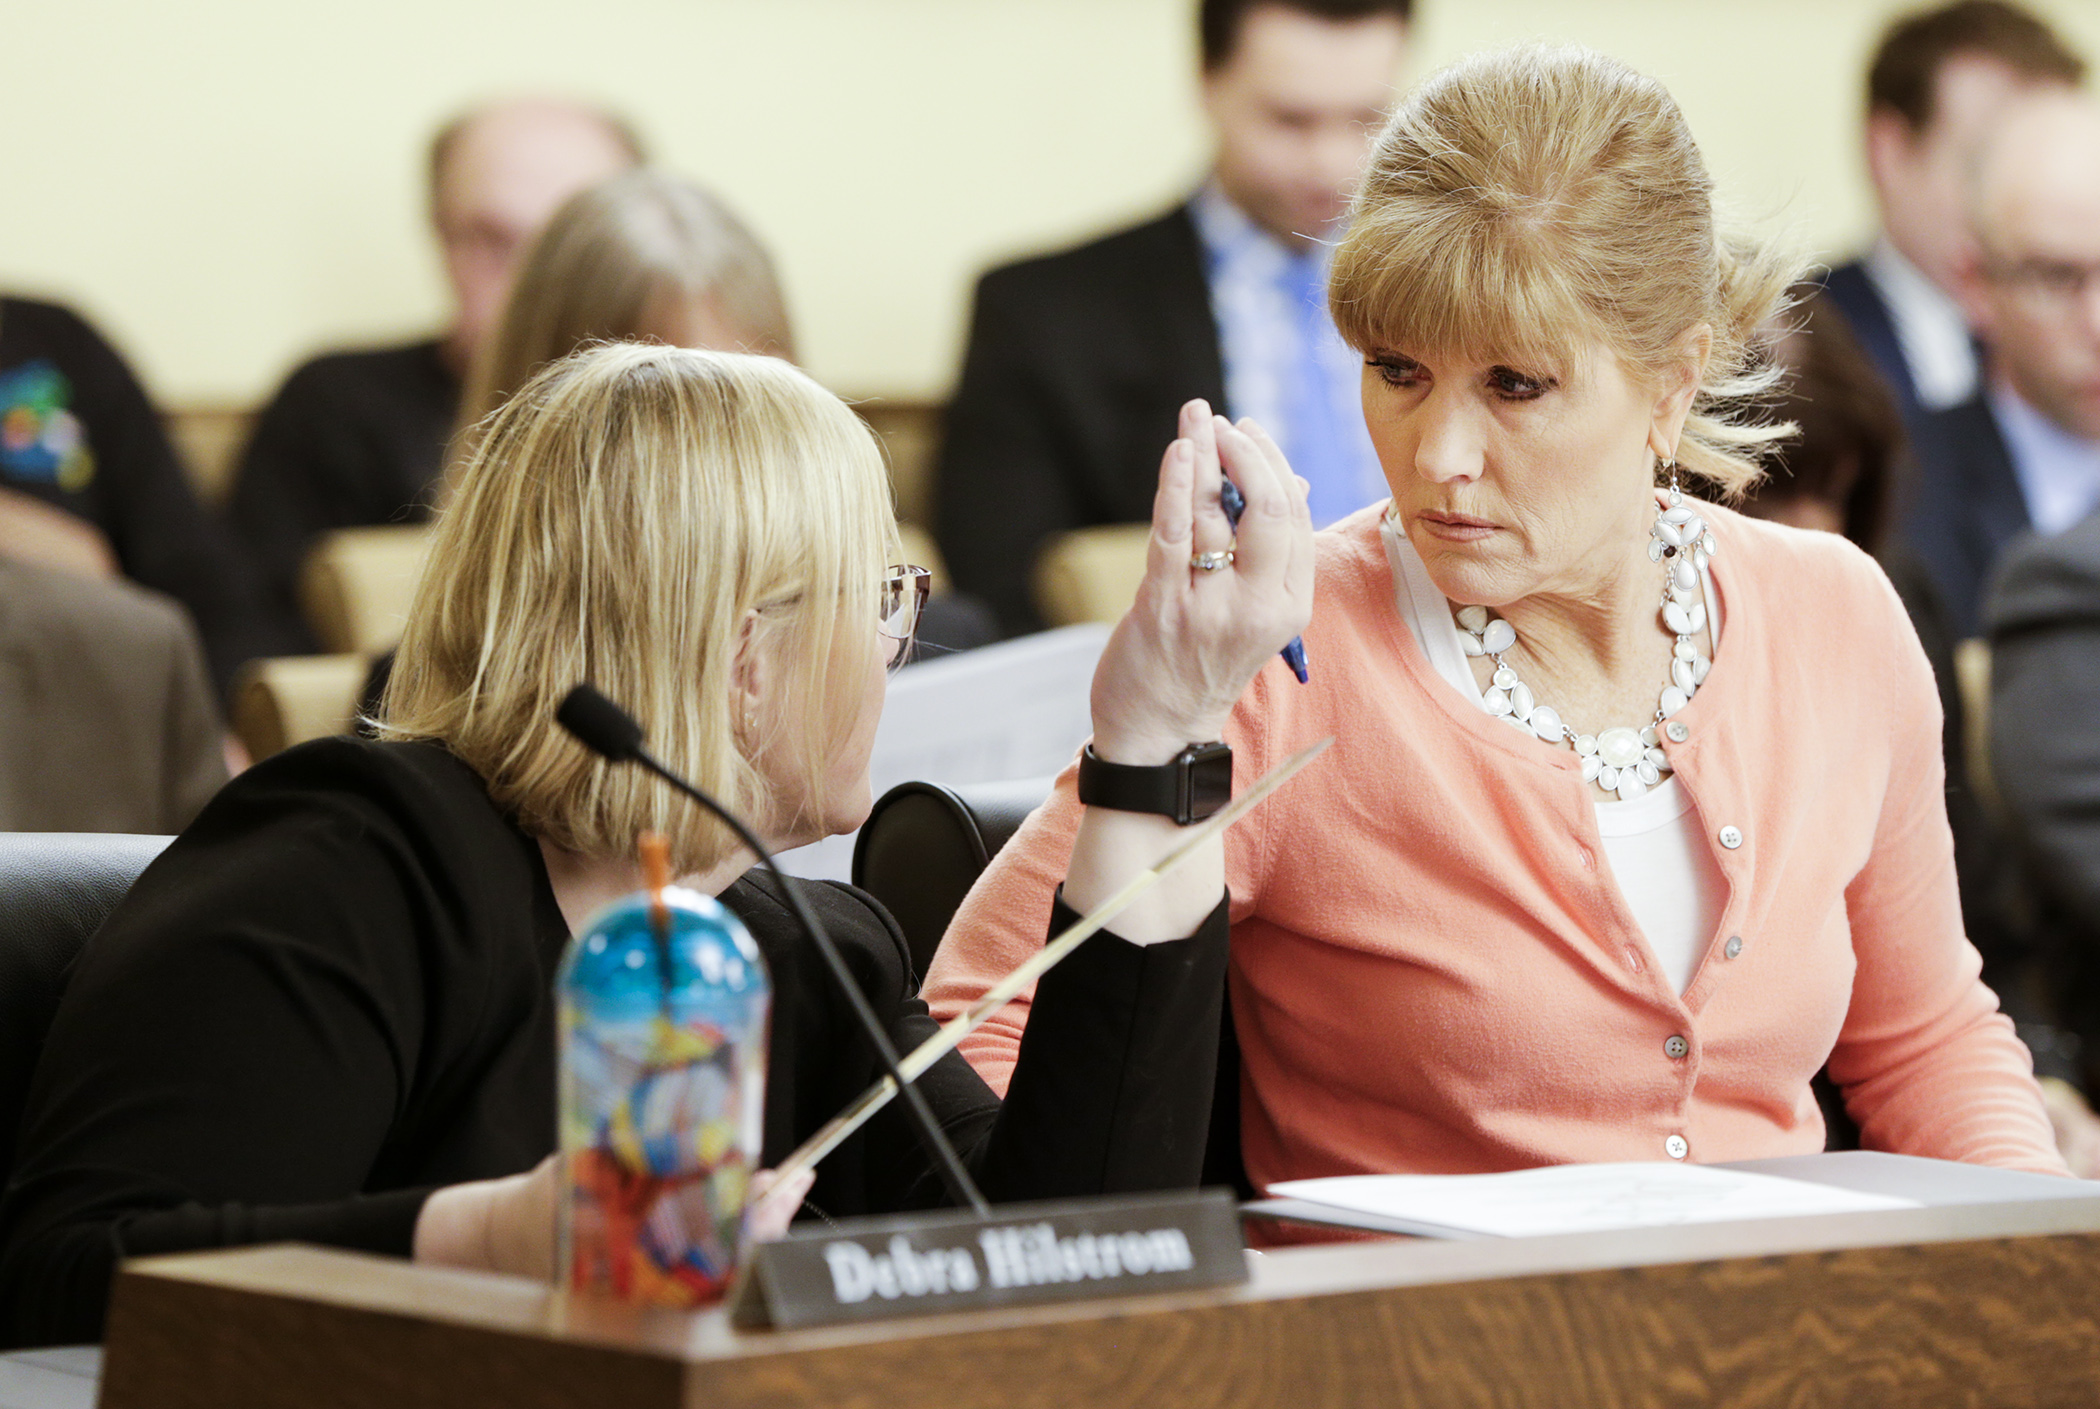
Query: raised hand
point(1214, 606)
point(1213, 610)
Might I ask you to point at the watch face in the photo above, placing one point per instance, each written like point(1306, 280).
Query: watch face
point(1209, 779)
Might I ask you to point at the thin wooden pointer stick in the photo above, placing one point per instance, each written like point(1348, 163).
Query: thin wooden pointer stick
point(915, 1062)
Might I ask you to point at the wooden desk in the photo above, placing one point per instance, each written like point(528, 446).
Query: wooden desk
point(1995, 1305)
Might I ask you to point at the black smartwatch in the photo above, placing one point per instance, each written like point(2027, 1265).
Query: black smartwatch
point(1192, 786)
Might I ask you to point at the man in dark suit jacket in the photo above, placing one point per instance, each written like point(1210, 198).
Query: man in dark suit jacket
point(1935, 84)
point(1078, 362)
point(1963, 506)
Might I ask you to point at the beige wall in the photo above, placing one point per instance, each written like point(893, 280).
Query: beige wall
point(228, 185)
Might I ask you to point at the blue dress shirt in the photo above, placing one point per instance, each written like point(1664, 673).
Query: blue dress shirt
point(1285, 365)
point(2059, 472)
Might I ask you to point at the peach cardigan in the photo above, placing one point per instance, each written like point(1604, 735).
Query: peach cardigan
point(1433, 969)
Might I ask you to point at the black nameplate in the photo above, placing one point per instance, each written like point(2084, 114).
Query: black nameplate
point(868, 1269)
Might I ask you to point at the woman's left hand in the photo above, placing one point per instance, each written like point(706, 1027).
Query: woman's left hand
point(507, 1225)
point(1186, 650)
point(494, 1225)
point(772, 1204)
point(2077, 1129)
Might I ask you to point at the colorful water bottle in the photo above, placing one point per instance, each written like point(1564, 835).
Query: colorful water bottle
point(664, 1007)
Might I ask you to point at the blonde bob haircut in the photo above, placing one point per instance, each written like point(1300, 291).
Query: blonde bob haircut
point(1526, 203)
point(627, 518)
point(634, 257)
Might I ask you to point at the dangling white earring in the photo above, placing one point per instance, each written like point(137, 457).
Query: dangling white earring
point(1682, 537)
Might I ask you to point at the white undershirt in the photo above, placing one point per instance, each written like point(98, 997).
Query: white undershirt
point(1655, 846)
point(1930, 329)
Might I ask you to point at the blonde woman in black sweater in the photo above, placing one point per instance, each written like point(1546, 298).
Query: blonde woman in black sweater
point(325, 1013)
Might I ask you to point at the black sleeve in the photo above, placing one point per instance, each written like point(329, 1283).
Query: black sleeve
point(1983, 864)
point(226, 1063)
point(142, 500)
point(2045, 753)
point(1004, 483)
point(1112, 1089)
point(2045, 701)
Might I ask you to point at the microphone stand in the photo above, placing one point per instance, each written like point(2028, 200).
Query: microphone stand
point(609, 731)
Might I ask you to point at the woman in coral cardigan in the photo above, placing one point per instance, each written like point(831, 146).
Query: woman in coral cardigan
point(1634, 818)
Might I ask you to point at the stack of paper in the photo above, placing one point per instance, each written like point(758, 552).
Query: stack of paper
point(1575, 1198)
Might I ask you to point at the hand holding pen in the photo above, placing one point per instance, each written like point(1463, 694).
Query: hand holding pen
point(1218, 600)
point(1235, 504)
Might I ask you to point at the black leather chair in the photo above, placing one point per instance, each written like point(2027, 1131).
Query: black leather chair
point(925, 844)
point(56, 888)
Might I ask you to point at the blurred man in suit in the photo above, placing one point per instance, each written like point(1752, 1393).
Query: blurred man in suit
point(2024, 451)
point(356, 438)
point(1078, 362)
point(1936, 83)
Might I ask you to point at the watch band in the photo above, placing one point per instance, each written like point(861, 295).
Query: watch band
point(1191, 786)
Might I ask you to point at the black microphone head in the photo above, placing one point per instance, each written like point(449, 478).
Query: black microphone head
point(598, 724)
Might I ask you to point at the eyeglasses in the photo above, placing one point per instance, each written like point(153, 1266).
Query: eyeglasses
point(2057, 282)
point(898, 605)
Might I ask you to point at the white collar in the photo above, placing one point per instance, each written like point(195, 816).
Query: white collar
point(1904, 284)
point(1931, 330)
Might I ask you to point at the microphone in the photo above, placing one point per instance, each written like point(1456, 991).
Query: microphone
point(614, 735)
point(600, 725)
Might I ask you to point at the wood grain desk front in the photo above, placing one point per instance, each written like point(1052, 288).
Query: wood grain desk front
point(1994, 1305)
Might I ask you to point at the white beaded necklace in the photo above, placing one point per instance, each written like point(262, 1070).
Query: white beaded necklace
point(1620, 759)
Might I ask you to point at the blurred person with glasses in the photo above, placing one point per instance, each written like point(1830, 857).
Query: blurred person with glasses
point(2023, 453)
point(358, 437)
point(1938, 80)
point(2036, 290)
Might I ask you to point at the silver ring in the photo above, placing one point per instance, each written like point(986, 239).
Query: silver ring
point(1211, 561)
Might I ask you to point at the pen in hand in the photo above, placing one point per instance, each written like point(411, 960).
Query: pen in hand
point(1234, 503)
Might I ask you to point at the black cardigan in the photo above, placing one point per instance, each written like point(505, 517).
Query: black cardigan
point(334, 993)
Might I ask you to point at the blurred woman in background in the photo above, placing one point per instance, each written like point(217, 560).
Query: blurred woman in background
point(644, 256)
point(1843, 470)
point(648, 256)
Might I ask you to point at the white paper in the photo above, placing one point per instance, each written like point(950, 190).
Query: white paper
point(1017, 709)
point(1581, 1198)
